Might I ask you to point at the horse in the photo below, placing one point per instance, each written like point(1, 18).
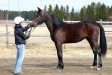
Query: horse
point(62, 33)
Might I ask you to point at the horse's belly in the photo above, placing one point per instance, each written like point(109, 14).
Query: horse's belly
point(74, 39)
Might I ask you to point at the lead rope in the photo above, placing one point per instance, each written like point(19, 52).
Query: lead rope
point(30, 31)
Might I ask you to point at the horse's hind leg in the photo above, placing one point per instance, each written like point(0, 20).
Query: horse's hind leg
point(99, 64)
point(96, 51)
point(60, 55)
point(95, 59)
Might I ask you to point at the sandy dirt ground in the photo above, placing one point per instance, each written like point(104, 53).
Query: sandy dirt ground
point(41, 59)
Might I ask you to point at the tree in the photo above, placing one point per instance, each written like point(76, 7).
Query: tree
point(0, 14)
point(77, 17)
point(45, 8)
point(91, 11)
point(50, 10)
point(72, 16)
point(67, 12)
point(62, 12)
point(83, 14)
point(110, 13)
point(98, 12)
point(103, 12)
point(57, 11)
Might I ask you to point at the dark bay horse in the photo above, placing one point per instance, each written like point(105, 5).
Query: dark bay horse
point(62, 32)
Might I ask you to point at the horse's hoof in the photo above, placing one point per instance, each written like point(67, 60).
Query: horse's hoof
point(98, 69)
point(92, 67)
point(59, 70)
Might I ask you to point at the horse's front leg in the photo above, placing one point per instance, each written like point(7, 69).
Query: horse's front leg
point(60, 55)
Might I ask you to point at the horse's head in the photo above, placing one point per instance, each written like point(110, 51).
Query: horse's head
point(40, 18)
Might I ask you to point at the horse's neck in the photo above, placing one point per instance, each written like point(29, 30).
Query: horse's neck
point(50, 27)
point(49, 24)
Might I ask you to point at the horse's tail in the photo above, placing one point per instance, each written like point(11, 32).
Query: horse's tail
point(103, 42)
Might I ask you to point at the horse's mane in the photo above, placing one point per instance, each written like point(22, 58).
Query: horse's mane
point(56, 21)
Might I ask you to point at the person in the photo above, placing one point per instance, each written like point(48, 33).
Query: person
point(20, 41)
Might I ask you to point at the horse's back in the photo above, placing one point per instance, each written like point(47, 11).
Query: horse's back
point(76, 32)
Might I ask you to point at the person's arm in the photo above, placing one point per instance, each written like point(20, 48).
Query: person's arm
point(23, 36)
point(26, 27)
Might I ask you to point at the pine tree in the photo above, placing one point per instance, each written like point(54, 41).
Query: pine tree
point(45, 8)
point(98, 11)
point(67, 12)
point(72, 16)
point(57, 12)
point(83, 14)
point(50, 9)
point(91, 11)
point(62, 14)
point(110, 13)
point(77, 16)
point(103, 12)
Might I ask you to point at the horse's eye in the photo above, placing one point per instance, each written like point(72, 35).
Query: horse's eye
point(37, 15)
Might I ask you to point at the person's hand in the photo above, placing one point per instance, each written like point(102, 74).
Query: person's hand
point(29, 25)
point(28, 36)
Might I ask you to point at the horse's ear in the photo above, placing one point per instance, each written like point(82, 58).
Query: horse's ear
point(38, 9)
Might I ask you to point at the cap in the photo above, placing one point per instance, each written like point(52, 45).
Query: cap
point(18, 19)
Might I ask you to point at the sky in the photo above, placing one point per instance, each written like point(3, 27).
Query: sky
point(27, 5)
